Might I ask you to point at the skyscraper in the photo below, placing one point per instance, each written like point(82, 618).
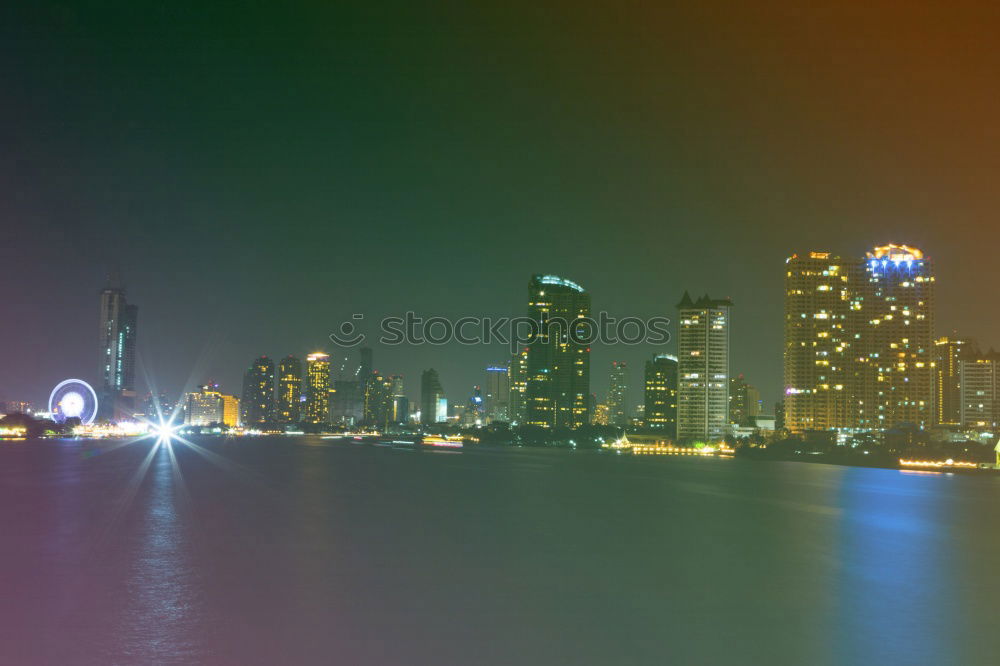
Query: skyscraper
point(378, 401)
point(317, 388)
point(947, 384)
point(703, 367)
point(289, 390)
point(744, 402)
point(823, 341)
point(257, 402)
point(897, 374)
point(660, 411)
point(518, 385)
point(117, 336)
point(859, 350)
point(431, 395)
point(558, 367)
point(617, 401)
point(497, 393)
point(980, 407)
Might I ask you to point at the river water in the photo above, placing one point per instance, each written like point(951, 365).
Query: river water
point(302, 550)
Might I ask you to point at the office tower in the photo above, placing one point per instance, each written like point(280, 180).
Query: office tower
point(317, 405)
point(518, 385)
point(118, 321)
point(558, 372)
point(824, 296)
point(431, 395)
point(378, 401)
point(497, 393)
point(703, 368)
point(618, 394)
point(203, 407)
point(661, 394)
point(258, 392)
point(897, 371)
point(289, 395)
point(980, 407)
point(601, 414)
point(744, 402)
point(947, 384)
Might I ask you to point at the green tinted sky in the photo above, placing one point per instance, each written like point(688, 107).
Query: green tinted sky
point(262, 170)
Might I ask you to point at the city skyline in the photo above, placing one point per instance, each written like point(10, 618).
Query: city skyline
point(306, 210)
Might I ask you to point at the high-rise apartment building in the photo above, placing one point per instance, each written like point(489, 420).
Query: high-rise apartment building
point(703, 367)
point(378, 401)
point(257, 402)
point(823, 337)
point(617, 402)
point(518, 385)
point(317, 405)
point(660, 405)
point(558, 363)
point(979, 407)
point(859, 351)
point(948, 351)
point(288, 399)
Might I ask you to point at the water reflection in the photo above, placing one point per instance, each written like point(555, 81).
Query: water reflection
point(896, 568)
point(162, 612)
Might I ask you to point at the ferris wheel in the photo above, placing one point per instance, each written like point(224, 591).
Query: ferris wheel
point(73, 398)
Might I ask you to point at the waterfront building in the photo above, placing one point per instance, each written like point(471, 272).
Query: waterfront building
point(289, 397)
point(498, 393)
point(317, 404)
point(258, 392)
point(948, 351)
point(661, 384)
point(980, 407)
point(617, 401)
point(432, 398)
point(558, 363)
point(117, 335)
point(703, 368)
point(204, 406)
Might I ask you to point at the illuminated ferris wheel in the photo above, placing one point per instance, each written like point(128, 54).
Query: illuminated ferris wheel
point(73, 398)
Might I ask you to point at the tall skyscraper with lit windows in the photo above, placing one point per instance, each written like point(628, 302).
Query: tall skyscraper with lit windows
point(824, 334)
point(557, 387)
point(497, 393)
point(859, 350)
point(289, 395)
point(317, 406)
point(257, 403)
point(660, 412)
point(948, 352)
point(703, 367)
point(897, 373)
point(617, 402)
point(518, 385)
point(117, 335)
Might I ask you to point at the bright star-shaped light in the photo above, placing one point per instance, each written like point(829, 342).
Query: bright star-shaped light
point(164, 430)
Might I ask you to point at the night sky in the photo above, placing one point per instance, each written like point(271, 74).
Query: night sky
point(260, 171)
